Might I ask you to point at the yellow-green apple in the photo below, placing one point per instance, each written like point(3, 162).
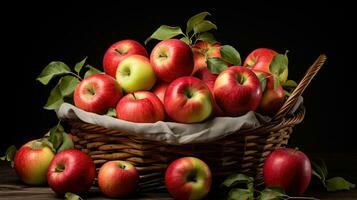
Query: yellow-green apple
point(140, 106)
point(202, 51)
point(171, 59)
point(71, 170)
point(188, 178)
point(160, 89)
point(261, 58)
point(273, 96)
point(31, 162)
point(118, 178)
point(188, 100)
point(118, 52)
point(237, 90)
point(97, 93)
point(135, 73)
point(289, 169)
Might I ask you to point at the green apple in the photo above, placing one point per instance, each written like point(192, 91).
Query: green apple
point(135, 73)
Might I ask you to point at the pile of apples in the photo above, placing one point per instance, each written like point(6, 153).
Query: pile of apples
point(175, 84)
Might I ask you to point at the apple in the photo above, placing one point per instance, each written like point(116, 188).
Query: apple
point(67, 142)
point(97, 93)
point(188, 178)
point(118, 52)
point(289, 169)
point(273, 98)
point(171, 59)
point(118, 178)
point(140, 106)
point(31, 162)
point(202, 51)
point(261, 58)
point(160, 89)
point(72, 171)
point(135, 73)
point(237, 90)
point(188, 100)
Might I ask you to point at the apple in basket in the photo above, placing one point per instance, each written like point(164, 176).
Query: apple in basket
point(118, 52)
point(273, 96)
point(31, 162)
point(188, 178)
point(289, 169)
point(171, 59)
point(260, 59)
point(71, 170)
point(118, 178)
point(135, 73)
point(140, 106)
point(237, 90)
point(97, 93)
point(188, 100)
point(202, 51)
point(160, 89)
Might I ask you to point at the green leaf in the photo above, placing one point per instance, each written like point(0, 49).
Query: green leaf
point(204, 26)
point(318, 171)
point(186, 40)
point(234, 179)
point(287, 93)
point(207, 37)
point(195, 20)
point(71, 196)
point(111, 112)
point(289, 84)
point(240, 194)
point(46, 142)
point(91, 71)
point(278, 64)
point(56, 136)
point(216, 65)
point(79, 65)
point(10, 154)
point(53, 69)
point(276, 82)
point(55, 99)
point(338, 183)
point(231, 55)
point(263, 81)
point(165, 32)
point(271, 194)
point(67, 85)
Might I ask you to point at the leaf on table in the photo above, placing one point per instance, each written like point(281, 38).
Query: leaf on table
point(240, 194)
point(216, 65)
point(91, 70)
point(207, 37)
point(79, 65)
point(338, 183)
point(67, 85)
point(10, 154)
point(271, 194)
point(235, 179)
point(71, 196)
point(165, 32)
point(204, 26)
point(53, 69)
point(195, 20)
point(230, 54)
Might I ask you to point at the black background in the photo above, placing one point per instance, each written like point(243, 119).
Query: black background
point(38, 34)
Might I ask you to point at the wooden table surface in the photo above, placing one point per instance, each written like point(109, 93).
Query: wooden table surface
point(12, 188)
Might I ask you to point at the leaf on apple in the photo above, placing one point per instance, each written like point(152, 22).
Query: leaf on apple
point(53, 69)
point(92, 70)
point(289, 84)
point(10, 154)
point(207, 37)
point(165, 32)
point(240, 194)
point(71, 196)
point(216, 65)
point(338, 183)
point(263, 81)
point(278, 64)
point(230, 55)
point(79, 65)
point(111, 112)
point(195, 20)
point(204, 26)
point(235, 179)
point(186, 40)
point(55, 99)
point(276, 82)
point(271, 194)
point(67, 85)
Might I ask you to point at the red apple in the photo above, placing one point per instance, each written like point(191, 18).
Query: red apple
point(118, 52)
point(97, 93)
point(188, 178)
point(237, 90)
point(159, 90)
point(31, 162)
point(289, 169)
point(273, 98)
point(140, 106)
point(118, 178)
point(171, 59)
point(71, 170)
point(202, 51)
point(260, 59)
point(188, 100)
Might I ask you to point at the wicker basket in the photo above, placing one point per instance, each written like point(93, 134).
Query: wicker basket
point(243, 151)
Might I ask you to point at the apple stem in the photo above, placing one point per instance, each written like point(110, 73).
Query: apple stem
point(76, 75)
point(60, 168)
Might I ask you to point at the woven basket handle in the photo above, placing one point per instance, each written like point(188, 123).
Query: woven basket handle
point(291, 101)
